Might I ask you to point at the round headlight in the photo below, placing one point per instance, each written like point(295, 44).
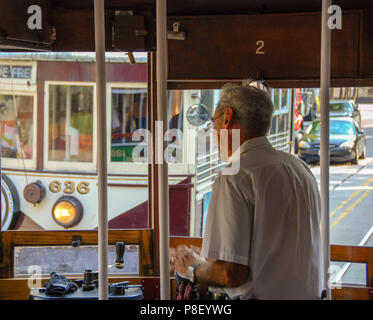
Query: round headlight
point(67, 211)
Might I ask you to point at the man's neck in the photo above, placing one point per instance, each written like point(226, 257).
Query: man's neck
point(243, 139)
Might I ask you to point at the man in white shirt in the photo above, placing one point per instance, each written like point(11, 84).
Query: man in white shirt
point(262, 236)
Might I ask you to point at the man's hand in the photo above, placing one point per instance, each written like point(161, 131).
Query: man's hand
point(183, 257)
point(210, 272)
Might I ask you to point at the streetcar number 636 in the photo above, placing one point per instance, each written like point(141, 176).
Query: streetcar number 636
point(69, 187)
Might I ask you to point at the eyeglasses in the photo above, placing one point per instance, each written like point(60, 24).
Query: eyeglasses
point(210, 124)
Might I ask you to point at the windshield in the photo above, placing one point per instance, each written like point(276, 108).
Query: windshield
point(336, 127)
point(340, 107)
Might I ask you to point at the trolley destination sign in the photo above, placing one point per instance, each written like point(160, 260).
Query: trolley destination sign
point(15, 72)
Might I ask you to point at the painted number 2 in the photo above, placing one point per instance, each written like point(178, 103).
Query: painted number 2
point(260, 45)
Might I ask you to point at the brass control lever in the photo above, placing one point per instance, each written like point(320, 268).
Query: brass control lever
point(119, 261)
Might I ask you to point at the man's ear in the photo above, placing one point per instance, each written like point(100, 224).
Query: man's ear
point(228, 118)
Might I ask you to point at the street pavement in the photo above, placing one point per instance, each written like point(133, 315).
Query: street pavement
point(351, 203)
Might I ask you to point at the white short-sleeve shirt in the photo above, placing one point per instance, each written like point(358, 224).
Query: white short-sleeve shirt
point(267, 217)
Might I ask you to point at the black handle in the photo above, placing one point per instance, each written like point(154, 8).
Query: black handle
point(119, 261)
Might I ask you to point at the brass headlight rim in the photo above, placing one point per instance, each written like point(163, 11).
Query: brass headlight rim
point(78, 207)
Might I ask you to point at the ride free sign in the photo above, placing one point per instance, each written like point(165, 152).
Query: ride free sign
point(15, 72)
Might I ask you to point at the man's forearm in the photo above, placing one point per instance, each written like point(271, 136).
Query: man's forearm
point(221, 274)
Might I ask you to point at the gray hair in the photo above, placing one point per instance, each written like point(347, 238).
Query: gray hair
point(251, 104)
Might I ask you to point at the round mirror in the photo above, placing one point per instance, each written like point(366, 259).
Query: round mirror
point(198, 114)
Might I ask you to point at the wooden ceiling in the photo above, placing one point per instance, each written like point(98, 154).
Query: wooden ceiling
point(221, 37)
point(213, 7)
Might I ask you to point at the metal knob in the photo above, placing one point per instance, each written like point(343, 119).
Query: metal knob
point(89, 280)
point(119, 261)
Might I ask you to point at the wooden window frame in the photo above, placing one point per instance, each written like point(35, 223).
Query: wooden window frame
point(11, 239)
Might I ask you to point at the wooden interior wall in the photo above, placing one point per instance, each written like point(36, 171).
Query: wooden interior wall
point(291, 51)
point(279, 46)
point(283, 49)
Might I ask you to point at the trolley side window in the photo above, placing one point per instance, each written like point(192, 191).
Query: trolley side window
point(284, 99)
point(175, 109)
point(175, 126)
point(70, 123)
point(16, 125)
point(129, 113)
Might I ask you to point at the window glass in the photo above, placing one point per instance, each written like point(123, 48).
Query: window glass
point(336, 127)
point(66, 161)
point(175, 109)
point(341, 127)
point(16, 125)
point(70, 123)
point(276, 98)
point(284, 98)
point(349, 107)
point(273, 129)
point(129, 113)
point(282, 123)
point(175, 125)
point(72, 260)
point(198, 169)
point(207, 98)
point(338, 107)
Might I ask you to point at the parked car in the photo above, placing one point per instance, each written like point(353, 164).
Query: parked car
point(347, 141)
point(344, 108)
